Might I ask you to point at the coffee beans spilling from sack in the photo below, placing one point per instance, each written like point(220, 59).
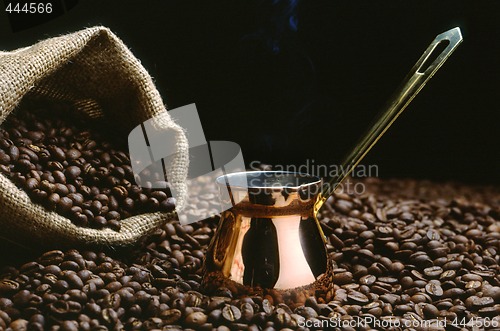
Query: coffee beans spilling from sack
point(72, 166)
point(408, 255)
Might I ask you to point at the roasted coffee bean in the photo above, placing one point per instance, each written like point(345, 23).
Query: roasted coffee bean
point(168, 204)
point(452, 265)
point(453, 293)
point(357, 297)
point(7, 286)
point(5, 159)
point(18, 325)
point(267, 307)
point(73, 154)
point(490, 311)
point(109, 316)
point(36, 136)
point(53, 201)
point(368, 280)
point(23, 165)
point(59, 177)
point(475, 303)
point(434, 289)
point(447, 275)
point(433, 272)
point(215, 316)
point(247, 312)
point(196, 319)
point(13, 152)
point(422, 260)
point(30, 155)
point(231, 313)
point(342, 278)
point(64, 205)
point(73, 172)
point(384, 230)
point(51, 258)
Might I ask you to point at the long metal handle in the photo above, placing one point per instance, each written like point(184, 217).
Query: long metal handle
point(432, 59)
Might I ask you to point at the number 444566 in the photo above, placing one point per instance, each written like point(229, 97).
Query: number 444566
point(32, 8)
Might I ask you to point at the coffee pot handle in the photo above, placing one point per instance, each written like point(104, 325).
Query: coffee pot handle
point(428, 64)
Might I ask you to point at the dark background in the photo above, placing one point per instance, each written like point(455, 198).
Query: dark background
point(296, 80)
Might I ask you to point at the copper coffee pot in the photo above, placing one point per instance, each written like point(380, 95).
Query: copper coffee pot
point(271, 238)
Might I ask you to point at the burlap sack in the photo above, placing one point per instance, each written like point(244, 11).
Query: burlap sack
point(96, 72)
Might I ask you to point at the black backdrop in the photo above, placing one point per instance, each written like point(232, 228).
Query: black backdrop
point(302, 79)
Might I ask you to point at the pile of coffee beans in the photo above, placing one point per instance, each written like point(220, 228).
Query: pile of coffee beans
point(78, 172)
point(408, 255)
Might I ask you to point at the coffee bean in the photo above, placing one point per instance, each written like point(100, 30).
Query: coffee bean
point(72, 172)
point(64, 205)
point(21, 298)
point(247, 312)
point(474, 302)
point(231, 313)
point(433, 272)
point(384, 230)
point(447, 275)
point(73, 154)
point(53, 201)
point(342, 278)
point(282, 319)
point(18, 325)
point(453, 293)
point(433, 234)
point(339, 244)
point(109, 316)
point(13, 152)
point(492, 291)
point(452, 265)
point(434, 289)
point(484, 273)
point(438, 252)
point(59, 177)
point(368, 280)
point(128, 204)
point(215, 316)
point(36, 136)
point(430, 311)
point(417, 275)
point(389, 298)
point(24, 165)
point(7, 286)
point(473, 233)
point(168, 204)
point(357, 297)
point(30, 155)
point(5, 159)
point(51, 258)
point(401, 309)
point(196, 319)
point(267, 307)
point(490, 311)
point(69, 326)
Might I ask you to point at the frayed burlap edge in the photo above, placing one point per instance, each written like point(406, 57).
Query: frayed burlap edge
point(50, 228)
